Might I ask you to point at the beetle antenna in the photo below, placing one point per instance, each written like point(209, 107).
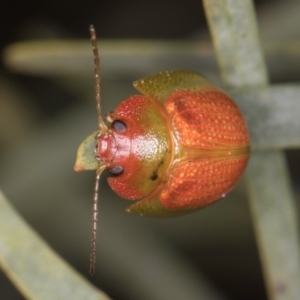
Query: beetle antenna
point(101, 123)
point(94, 220)
point(102, 166)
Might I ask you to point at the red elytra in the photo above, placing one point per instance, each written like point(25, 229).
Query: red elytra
point(180, 146)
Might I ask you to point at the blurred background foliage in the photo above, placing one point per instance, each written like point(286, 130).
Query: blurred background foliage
point(210, 254)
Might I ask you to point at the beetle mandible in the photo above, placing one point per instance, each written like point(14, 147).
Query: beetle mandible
point(180, 146)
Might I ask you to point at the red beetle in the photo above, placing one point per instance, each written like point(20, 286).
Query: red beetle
point(180, 146)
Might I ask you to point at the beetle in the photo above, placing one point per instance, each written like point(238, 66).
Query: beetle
point(176, 148)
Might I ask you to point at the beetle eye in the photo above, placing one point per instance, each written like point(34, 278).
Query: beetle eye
point(118, 125)
point(117, 170)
